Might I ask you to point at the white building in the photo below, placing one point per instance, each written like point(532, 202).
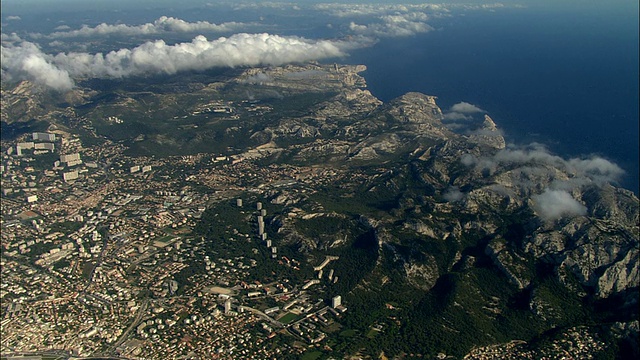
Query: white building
point(43, 136)
point(69, 158)
point(45, 146)
point(27, 145)
point(68, 176)
point(336, 301)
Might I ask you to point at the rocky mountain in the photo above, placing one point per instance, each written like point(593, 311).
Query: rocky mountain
point(549, 226)
point(451, 238)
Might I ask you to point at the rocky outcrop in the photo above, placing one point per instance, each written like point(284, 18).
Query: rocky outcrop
point(424, 275)
point(601, 255)
point(611, 203)
point(416, 108)
point(510, 263)
point(312, 77)
point(488, 135)
point(22, 103)
point(347, 104)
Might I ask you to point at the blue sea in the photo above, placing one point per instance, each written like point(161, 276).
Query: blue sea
point(566, 78)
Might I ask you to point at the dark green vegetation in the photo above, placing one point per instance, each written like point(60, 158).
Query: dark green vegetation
point(311, 355)
point(460, 301)
point(420, 272)
point(41, 248)
point(230, 232)
point(472, 302)
point(11, 131)
point(66, 227)
point(288, 318)
point(188, 113)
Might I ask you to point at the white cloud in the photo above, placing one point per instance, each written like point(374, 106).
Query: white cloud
point(394, 26)
point(453, 194)
point(465, 108)
point(456, 116)
point(10, 38)
point(351, 10)
point(461, 111)
point(597, 168)
point(27, 61)
point(239, 6)
point(532, 153)
point(555, 204)
point(468, 160)
point(361, 10)
point(161, 25)
point(13, 17)
point(536, 159)
point(258, 78)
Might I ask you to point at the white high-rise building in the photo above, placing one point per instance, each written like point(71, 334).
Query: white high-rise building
point(336, 301)
point(227, 306)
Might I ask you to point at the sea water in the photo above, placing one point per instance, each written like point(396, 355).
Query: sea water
point(565, 78)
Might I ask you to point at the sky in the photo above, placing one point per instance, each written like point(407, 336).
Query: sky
point(58, 43)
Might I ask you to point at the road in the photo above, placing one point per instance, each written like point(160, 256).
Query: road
point(141, 311)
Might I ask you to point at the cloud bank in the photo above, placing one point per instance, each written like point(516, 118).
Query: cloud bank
point(394, 26)
point(360, 10)
point(161, 25)
point(395, 20)
point(555, 204)
point(594, 168)
point(533, 167)
point(462, 111)
point(27, 61)
point(343, 10)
